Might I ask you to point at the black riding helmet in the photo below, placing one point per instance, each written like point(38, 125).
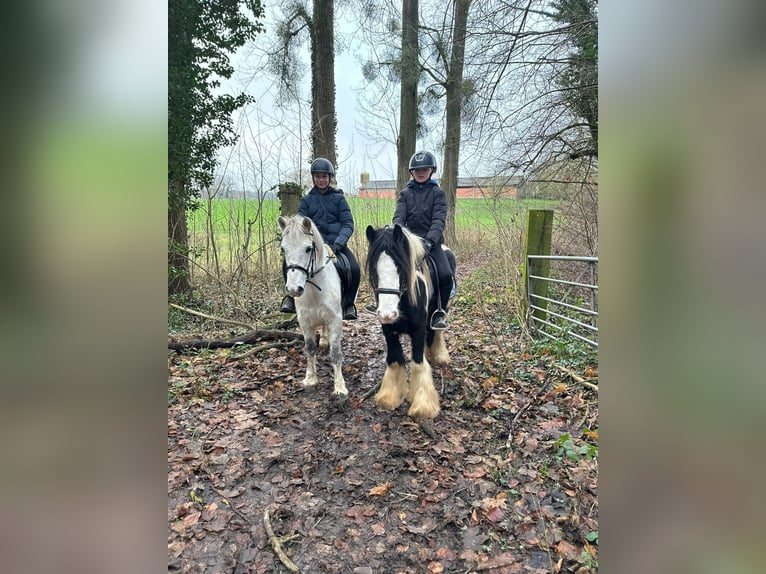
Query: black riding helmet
point(322, 165)
point(422, 159)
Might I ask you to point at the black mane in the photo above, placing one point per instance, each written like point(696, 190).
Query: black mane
point(384, 243)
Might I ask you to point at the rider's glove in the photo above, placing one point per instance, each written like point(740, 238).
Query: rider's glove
point(428, 244)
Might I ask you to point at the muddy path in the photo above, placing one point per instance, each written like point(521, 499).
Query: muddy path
point(349, 488)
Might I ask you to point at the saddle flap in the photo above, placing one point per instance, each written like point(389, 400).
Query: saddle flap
point(344, 271)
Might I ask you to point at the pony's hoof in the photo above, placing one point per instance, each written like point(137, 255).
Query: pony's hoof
point(420, 413)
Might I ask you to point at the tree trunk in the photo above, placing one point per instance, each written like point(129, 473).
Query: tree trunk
point(178, 249)
point(289, 198)
point(408, 102)
point(182, 20)
point(323, 117)
point(454, 89)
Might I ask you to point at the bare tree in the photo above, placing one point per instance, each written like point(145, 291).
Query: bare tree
point(286, 65)
point(324, 122)
point(454, 97)
point(410, 76)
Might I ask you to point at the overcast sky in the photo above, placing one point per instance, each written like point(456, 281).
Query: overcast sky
point(355, 152)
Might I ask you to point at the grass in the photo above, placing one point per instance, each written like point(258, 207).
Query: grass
point(248, 222)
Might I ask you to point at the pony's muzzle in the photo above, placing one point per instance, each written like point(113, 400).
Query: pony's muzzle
point(295, 291)
point(387, 317)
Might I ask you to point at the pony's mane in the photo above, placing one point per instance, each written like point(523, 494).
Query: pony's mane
point(294, 225)
point(407, 260)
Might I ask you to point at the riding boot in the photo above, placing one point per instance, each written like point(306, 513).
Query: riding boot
point(349, 312)
point(288, 305)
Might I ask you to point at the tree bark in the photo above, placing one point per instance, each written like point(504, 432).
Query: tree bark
point(323, 116)
point(408, 101)
point(178, 249)
point(454, 90)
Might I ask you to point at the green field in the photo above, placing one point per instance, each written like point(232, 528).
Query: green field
point(232, 218)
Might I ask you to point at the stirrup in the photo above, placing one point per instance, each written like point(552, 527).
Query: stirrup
point(438, 320)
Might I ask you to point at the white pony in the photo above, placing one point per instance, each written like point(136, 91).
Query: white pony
point(314, 283)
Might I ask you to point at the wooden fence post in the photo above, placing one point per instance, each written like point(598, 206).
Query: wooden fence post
point(538, 242)
point(289, 198)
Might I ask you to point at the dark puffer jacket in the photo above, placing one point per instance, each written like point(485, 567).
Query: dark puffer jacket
point(422, 208)
point(331, 214)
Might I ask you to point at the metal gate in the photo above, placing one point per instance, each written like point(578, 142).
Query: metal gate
point(570, 308)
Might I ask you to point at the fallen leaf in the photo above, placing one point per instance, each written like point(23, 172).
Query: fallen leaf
point(567, 550)
point(192, 519)
point(477, 472)
point(494, 515)
point(376, 427)
point(357, 513)
point(380, 490)
point(435, 567)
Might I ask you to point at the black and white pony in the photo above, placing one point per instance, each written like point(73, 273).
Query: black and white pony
point(406, 300)
point(313, 281)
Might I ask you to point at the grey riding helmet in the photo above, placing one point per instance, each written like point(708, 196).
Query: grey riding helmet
point(322, 165)
point(422, 159)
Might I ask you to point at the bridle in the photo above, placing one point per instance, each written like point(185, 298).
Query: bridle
point(385, 291)
point(309, 269)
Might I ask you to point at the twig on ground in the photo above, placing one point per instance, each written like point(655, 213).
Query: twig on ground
point(371, 392)
point(522, 410)
point(576, 377)
point(211, 317)
point(276, 543)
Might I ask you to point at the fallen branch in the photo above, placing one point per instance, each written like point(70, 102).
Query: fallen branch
point(276, 543)
point(576, 377)
point(211, 317)
point(250, 337)
point(260, 348)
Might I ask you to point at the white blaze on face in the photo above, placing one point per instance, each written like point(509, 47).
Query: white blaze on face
point(295, 281)
point(388, 278)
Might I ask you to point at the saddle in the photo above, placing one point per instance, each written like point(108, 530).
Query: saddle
point(435, 276)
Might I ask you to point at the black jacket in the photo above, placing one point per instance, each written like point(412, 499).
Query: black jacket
point(422, 208)
point(331, 214)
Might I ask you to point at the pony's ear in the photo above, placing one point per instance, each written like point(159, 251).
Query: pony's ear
point(370, 232)
point(282, 222)
point(306, 225)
